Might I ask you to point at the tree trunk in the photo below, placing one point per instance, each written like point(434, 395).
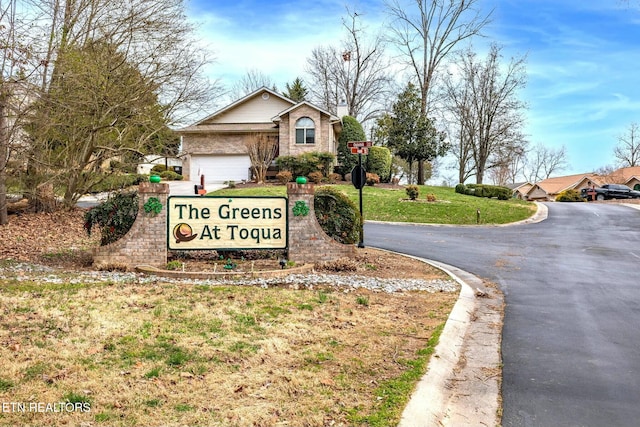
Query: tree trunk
point(420, 172)
point(4, 152)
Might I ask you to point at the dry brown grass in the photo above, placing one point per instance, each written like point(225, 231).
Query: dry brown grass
point(170, 354)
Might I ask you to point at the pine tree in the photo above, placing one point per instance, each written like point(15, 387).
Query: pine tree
point(296, 91)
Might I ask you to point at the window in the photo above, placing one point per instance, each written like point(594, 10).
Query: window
point(305, 131)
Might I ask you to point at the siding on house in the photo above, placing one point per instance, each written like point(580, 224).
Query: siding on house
point(254, 110)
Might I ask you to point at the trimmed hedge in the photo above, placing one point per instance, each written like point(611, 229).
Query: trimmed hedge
point(337, 214)
point(484, 190)
point(379, 162)
point(307, 163)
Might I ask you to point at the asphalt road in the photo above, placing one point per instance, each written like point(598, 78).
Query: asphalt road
point(571, 336)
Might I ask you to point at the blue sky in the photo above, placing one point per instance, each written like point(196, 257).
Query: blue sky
point(583, 58)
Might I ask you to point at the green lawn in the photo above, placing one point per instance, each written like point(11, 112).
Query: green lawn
point(382, 204)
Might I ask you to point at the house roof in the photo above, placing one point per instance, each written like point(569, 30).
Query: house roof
point(520, 186)
point(332, 117)
point(244, 99)
point(231, 128)
point(561, 183)
point(283, 106)
point(624, 175)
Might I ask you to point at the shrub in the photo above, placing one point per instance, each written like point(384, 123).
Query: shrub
point(339, 265)
point(325, 162)
point(174, 265)
point(379, 162)
point(158, 169)
point(287, 163)
point(284, 176)
point(316, 177)
point(337, 214)
point(306, 163)
point(412, 191)
point(431, 197)
point(171, 176)
point(461, 189)
point(372, 179)
point(570, 195)
point(351, 131)
point(114, 217)
point(489, 191)
point(334, 177)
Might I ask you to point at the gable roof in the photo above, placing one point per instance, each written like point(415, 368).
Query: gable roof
point(519, 185)
point(259, 92)
point(561, 183)
point(624, 175)
point(332, 117)
point(257, 119)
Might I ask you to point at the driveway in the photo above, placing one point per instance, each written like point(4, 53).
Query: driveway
point(176, 188)
point(571, 342)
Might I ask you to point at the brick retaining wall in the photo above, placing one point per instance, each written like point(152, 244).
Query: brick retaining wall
point(307, 240)
point(146, 242)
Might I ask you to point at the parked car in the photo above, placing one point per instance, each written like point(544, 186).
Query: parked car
point(610, 191)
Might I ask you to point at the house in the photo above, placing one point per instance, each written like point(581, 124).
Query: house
point(629, 176)
point(520, 189)
point(216, 146)
point(548, 189)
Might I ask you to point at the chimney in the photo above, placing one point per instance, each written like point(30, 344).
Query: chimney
point(342, 109)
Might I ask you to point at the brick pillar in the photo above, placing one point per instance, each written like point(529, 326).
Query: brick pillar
point(146, 242)
point(308, 243)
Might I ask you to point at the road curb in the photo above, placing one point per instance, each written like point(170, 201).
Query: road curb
point(462, 384)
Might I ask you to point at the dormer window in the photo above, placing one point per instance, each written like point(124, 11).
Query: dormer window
point(305, 131)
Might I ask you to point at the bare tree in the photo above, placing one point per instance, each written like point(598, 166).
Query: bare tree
point(114, 75)
point(17, 65)
point(262, 151)
point(511, 169)
point(428, 33)
point(628, 149)
point(462, 128)
point(253, 80)
point(487, 109)
point(356, 73)
point(543, 161)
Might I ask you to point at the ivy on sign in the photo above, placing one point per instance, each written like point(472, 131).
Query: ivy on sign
point(153, 206)
point(300, 208)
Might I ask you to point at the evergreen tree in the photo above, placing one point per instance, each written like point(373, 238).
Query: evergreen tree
point(296, 91)
point(351, 131)
point(412, 135)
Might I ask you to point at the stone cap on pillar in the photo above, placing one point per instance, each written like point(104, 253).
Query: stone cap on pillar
point(294, 188)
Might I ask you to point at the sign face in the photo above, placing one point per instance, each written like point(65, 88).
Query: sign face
point(359, 144)
point(358, 150)
point(227, 223)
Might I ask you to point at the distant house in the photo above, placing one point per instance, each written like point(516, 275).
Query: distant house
point(548, 189)
point(215, 146)
point(520, 189)
point(629, 176)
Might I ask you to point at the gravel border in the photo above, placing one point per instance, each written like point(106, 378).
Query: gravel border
point(29, 272)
